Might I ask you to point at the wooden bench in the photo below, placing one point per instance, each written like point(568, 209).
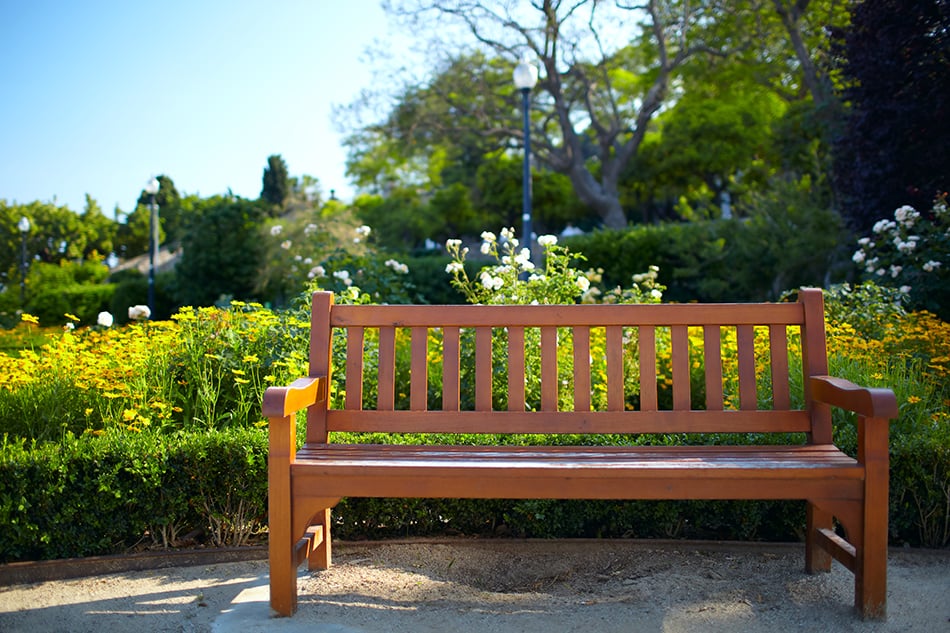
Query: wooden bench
point(719, 341)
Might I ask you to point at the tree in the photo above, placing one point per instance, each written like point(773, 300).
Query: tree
point(221, 251)
point(169, 207)
point(99, 230)
point(276, 186)
point(597, 94)
point(895, 149)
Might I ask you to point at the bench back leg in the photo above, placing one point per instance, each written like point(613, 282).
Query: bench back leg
point(321, 555)
point(817, 558)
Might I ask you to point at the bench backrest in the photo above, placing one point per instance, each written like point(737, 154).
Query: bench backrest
point(646, 361)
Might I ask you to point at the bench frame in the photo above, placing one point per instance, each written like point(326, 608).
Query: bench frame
point(304, 485)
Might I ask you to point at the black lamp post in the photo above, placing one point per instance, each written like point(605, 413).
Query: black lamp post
point(151, 188)
point(526, 77)
point(24, 226)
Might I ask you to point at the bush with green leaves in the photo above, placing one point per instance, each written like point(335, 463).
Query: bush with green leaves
point(91, 494)
point(911, 253)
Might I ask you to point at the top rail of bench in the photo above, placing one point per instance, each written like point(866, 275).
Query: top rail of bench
point(694, 314)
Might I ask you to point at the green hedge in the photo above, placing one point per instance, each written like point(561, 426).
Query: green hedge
point(98, 495)
point(85, 301)
point(751, 259)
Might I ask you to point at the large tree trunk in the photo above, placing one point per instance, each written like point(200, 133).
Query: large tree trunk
point(602, 197)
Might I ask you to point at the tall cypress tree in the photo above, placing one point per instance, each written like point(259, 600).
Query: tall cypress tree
point(276, 182)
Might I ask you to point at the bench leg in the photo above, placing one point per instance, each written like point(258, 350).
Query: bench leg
point(321, 556)
point(817, 559)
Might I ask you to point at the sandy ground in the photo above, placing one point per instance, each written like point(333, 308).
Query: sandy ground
point(504, 585)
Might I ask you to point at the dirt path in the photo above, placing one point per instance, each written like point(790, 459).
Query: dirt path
point(471, 586)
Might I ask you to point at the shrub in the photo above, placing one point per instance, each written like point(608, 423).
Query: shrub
point(911, 253)
point(92, 494)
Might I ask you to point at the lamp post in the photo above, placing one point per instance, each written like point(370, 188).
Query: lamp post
point(151, 188)
point(24, 226)
point(526, 77)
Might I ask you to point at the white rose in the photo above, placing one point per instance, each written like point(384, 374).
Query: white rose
point(137, 313)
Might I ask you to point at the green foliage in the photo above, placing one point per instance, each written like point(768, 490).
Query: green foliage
point(107, 494)
point(787, 240)
point(276, 183)
point(131, 289)
point(85, 301)
point(221, 252)
point(170, 214)
point(401, 219)
point(911, 253)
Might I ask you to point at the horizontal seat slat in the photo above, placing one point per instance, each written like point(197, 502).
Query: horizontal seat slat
point(560, 315)
point(565, 422)
point(768, 459)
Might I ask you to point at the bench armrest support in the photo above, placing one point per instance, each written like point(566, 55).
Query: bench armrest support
point(280, 402)
point(867, 402)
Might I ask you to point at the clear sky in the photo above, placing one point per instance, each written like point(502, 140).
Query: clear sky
point(99, 95)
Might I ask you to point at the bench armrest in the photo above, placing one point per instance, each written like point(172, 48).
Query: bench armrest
point(280, 402)
point(868, 402)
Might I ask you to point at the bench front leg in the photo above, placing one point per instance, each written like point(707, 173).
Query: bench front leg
point(281, 551)
point(870, 577)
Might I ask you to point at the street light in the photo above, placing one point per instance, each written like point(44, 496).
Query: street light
point(24, 226)
point(526, 77)
point(151, 188)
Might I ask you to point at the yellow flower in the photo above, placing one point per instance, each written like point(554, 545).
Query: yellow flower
point(913, 399)
point(241, 381)
point(129, 414)
point(237, 372)
point(29, 318)
point(251, 358)
point(72, 317)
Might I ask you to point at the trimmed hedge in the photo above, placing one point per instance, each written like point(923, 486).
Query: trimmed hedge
point(93, 495)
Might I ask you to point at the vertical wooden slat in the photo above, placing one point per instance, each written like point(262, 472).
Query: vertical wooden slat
point(679, 340)
point(615, 368)
point(354, 368)
point(321, 364)
point(712, 357)
point(450, 369)
point(778, 353)
point(581, 368)
point(387, 369)
point(483, 369)
point(419, 370)
point(745, 342)
point(516, 369)
point(815, 360)
point(647, 342)
point(549, 382)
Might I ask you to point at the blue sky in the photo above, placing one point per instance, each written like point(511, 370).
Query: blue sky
point(100, 95)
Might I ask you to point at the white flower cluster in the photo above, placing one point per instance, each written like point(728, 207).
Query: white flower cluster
point(396, 266)
point(139, 313)
point(276, 230)
point(105, 319)
point(317, 271)
point(344, 276)
point(362, 232)
point(491, 282)
point(546, 241)
point(909, 238)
